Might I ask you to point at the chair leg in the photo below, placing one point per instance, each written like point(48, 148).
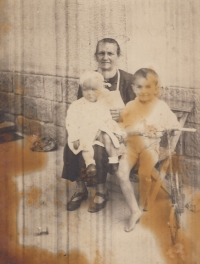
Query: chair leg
point(159, 183)
point(152, 197)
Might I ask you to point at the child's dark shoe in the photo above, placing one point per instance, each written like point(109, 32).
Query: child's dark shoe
point(113, 168)
point(91, 170)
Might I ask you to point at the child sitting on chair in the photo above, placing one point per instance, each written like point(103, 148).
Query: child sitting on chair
point(143, 119)
point(89, 122)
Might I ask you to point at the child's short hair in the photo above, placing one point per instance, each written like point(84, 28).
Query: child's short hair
point(90, 75)
point(143, 72)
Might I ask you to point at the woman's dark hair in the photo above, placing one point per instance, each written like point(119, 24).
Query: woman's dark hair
point(108, 40)
point(143, 72)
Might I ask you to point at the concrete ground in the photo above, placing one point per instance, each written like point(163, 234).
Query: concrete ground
point(100, 236)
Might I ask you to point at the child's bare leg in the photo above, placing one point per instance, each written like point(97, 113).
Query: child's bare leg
point(148, 159)
point(88, 156)
point(125, 166)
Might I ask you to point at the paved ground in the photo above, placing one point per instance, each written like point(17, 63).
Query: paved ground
point(100, 237)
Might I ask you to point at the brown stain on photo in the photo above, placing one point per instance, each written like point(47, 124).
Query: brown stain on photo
point(17, 159)
point(5, 27)
point(33, 197)
point(98, 258)
point(186, 248)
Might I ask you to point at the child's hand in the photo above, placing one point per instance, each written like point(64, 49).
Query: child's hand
point(152, 131)
point(132, 131)
point(172, 132)
point(153, 134)
point(115, 113)
point(120, 138)
point(76, 144)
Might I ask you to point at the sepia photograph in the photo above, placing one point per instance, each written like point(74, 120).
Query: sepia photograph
point(99, 131)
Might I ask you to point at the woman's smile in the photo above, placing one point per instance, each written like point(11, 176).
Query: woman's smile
point(107, 56)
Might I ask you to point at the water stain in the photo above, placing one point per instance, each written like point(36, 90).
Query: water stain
point(33, 197)
point(185, 250)
point(98, 258)
point(16, 159)
point(5, 27)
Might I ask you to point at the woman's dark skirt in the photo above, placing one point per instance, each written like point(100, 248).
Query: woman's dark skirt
point(74, 165)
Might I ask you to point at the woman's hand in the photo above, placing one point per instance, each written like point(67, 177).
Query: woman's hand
point(76, 144)
point(115, 113)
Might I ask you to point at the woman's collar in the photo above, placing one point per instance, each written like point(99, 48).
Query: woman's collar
point(109, 76)
point(112, 79)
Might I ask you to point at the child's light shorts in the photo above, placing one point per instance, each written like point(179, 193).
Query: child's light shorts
point(138, 145)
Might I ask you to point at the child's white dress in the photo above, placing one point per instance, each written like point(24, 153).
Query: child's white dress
point(85, 119)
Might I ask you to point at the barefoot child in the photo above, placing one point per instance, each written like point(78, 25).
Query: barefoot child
point(89, 122)
point(143, 119)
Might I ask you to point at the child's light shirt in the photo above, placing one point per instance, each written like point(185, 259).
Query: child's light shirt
point(149, 120)
point(85, 119)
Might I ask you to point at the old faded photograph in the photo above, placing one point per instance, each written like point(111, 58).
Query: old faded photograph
point(99, 131)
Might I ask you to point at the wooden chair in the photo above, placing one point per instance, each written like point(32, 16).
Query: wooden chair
point(182, 110)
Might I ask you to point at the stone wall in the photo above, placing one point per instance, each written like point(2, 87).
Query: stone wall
point(37, 103)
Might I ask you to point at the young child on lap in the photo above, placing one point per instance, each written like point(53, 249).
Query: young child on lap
point(143, 119)
point(89, 122)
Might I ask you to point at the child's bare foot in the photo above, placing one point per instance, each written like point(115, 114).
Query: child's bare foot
point(132, 221)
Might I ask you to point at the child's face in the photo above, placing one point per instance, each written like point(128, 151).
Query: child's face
point(91, 89)
point(146, 89)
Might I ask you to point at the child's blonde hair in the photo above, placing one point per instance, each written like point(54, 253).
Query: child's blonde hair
point(91, 75)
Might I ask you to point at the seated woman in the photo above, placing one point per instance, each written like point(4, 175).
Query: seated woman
point(117, 81)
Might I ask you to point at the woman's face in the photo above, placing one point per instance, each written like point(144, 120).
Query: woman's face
point(107, 56)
